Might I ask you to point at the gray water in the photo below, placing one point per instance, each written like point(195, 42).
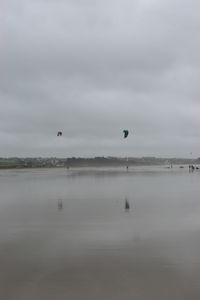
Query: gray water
point(65, 234)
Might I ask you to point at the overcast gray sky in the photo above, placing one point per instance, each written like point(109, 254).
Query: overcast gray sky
point(92, 68)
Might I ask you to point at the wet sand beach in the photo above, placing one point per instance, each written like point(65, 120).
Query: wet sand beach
point(67, 234)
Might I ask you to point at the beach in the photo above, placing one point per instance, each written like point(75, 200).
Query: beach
point(66, 234)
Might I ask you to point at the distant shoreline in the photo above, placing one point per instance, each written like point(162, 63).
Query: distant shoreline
point(73, 162)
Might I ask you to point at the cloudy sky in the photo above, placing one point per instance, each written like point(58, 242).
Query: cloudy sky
point(92, 68)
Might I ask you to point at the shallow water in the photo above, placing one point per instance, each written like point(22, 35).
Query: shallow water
point(65, 234)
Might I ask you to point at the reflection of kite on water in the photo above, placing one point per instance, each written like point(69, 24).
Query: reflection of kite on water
point(60, 204)
point(125, 133)
point(59, 133)
point(127, 205)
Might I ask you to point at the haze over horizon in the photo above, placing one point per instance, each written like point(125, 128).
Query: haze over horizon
point(94, 68)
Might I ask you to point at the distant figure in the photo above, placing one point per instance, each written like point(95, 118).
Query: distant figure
point(60, 204)
point(127, 168)
point(191, 168)
point(127, 206)
point(171, 166)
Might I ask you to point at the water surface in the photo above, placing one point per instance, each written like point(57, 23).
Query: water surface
point(65, 234)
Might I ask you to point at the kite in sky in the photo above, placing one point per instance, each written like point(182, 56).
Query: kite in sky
point(125, 133)
point(59, 133)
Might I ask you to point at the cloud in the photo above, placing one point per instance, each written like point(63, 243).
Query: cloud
point(92, 69)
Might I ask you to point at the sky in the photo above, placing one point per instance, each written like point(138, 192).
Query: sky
point(92, 68)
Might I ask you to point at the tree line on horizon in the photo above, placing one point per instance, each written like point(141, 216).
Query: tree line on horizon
point(39, 162)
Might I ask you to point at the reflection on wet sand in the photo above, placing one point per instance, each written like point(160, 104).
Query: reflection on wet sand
point(138, 270)
point(60, 204)
point(93, 249)
point(127, 205)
